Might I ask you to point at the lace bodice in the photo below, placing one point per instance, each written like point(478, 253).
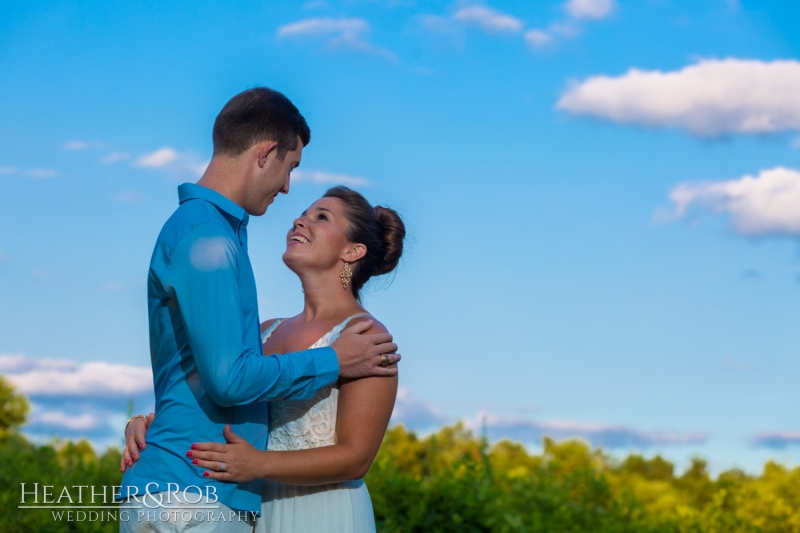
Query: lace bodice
point(310, 423)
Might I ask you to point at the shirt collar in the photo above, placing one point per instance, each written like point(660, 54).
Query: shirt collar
point(191, 191)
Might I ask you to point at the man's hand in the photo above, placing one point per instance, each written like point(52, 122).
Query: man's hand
point(359, 354)
point(135, 440)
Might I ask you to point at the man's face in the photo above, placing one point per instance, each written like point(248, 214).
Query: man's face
point(272, 176)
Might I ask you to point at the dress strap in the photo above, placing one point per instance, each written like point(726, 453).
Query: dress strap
point(270, 330)
point(338, 329)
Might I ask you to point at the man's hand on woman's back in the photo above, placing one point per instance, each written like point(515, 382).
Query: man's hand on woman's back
point(360, 353)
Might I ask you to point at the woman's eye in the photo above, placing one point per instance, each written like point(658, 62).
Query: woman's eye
point(322, 217)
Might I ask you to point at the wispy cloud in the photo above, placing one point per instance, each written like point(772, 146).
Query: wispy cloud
point(36, 173)
point(159, 159)
point(419, 415)
point(40, 173)
point(337, 33)
point(538, 38)
point(605, 435)
point(712, 97)
point(115, 157)
point(74, 399)
point(590, 9)
point(64, 377)
point(77, 145)
point(571, 26)
point(327, 178)
point(766, 204)
point(169, 159)
point(60, 419)
point(488, 20)
point(777, 440)
point(129, 197)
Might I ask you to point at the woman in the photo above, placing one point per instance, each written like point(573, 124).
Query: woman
point(319, 449)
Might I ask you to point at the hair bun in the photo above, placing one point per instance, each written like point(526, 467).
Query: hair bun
point(393, 231)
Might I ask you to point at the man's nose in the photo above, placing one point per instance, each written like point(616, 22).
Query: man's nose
point(285, 189)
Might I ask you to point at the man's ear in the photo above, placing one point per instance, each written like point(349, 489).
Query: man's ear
point(263, 150)
point(354, 252)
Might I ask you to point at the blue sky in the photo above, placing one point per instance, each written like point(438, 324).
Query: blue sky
point(602, 197)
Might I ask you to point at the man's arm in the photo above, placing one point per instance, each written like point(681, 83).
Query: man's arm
point(204, 272)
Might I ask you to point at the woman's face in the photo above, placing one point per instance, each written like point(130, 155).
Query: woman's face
point(318, 238)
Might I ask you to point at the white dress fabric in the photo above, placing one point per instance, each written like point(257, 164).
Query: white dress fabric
point(343, 507)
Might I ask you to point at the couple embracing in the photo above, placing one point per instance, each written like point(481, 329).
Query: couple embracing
point(287, 436)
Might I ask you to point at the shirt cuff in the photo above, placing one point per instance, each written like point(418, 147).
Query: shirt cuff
point(326, 364)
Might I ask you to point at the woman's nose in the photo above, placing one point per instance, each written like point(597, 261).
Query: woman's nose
point(298, 223)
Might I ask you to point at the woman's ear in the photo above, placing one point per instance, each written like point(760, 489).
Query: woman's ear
point(354, 252)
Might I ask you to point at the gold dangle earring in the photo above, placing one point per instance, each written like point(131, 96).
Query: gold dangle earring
point(346, 274)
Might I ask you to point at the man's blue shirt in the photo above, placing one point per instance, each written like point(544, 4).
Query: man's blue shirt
point(205, 349)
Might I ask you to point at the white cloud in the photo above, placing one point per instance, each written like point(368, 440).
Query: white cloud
point(129, 197)
point(167, 158)
point(41, 173)
point(344, 33)
point(61, 419)
point(30, 173)
point(76, 145)
point(324, 26)
point(590, 9)
point(538, 38)
point(757, 205)
point(63, 377)
point(115, 157)
point(488, 20)
point(709, 98)
point(159, 159)
point(319, 177)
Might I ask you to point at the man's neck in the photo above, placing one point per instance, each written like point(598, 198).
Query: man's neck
point(224, 175)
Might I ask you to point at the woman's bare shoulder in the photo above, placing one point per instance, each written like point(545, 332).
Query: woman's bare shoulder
point(377, 325)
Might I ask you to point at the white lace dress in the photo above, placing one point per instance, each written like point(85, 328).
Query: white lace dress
point(343, 507)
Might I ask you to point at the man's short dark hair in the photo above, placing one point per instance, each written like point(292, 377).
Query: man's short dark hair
point(256, 115)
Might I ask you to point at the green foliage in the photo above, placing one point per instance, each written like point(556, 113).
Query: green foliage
point(59, 464)
point(452, 481)
point(13, 408)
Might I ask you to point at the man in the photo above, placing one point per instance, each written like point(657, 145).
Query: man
point(208, 367)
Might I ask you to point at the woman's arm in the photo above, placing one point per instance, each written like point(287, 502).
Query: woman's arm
point(365, 406)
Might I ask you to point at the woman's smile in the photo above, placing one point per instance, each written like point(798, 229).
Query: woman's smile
point(297, 238)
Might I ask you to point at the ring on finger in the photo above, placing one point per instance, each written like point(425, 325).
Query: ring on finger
point(221, 466)
point(385, 360)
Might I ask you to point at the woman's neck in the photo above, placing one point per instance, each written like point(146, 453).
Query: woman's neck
point(326, 298)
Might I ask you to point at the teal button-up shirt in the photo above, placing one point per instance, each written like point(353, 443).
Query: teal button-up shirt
point(205, 349)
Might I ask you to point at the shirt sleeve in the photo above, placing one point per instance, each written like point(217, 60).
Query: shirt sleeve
point(204, 275)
